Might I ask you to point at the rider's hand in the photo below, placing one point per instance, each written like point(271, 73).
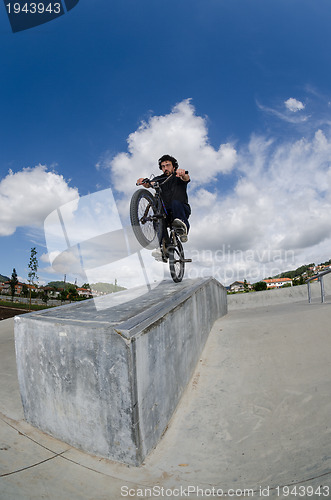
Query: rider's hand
point(140, 183)
point(180, 172)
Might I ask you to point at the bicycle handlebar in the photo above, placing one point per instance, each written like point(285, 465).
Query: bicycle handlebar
point(149, 181)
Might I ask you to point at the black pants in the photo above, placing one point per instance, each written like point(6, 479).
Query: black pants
point(180, 210)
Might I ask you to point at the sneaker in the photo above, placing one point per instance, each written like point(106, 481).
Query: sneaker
point(158, 255)
point(181, 229)
point(179, 226)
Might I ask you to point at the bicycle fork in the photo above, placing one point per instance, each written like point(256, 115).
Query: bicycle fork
point(174, 246)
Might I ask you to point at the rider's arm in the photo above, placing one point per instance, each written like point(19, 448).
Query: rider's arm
point(181, 173)
point(141, 183)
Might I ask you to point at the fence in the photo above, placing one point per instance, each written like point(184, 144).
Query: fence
point(319, 277)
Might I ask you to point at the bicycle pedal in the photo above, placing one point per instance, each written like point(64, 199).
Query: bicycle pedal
point(187, 260)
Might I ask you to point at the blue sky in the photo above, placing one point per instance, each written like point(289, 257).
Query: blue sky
point(238, 91)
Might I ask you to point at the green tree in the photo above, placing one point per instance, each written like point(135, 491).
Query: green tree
point(45, 297)
point(33, 268)
point(298, 280)
point(25, 290)
point(63, 295)
point(13, 282)
point(259, 286)
point(72, 293)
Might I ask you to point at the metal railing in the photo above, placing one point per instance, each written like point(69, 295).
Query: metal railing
point(319, 277)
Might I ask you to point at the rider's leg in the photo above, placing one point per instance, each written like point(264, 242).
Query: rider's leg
point(181, 211)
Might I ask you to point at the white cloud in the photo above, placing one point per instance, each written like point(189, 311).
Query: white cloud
point(181, 133)
point(277, 216)
point(294, 105)
point(286, 116)
point(28, 196)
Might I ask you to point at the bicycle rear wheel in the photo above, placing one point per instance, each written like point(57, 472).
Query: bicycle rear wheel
point(176, 260)
point(146, 226)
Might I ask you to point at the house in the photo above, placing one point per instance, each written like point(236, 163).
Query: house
point(5, 288)
point(320, 268)
point(84, 292)
point(50, 291)
point(240, 286)
point(277, 282)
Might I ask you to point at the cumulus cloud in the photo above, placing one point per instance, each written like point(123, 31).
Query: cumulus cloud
point(277, 216)
point(28, 196)
point(294, 105)
point(181, 133)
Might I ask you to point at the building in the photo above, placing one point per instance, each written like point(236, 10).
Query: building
point(277, 282)
point(5, 288)
point(84, 292)
point(239, 286)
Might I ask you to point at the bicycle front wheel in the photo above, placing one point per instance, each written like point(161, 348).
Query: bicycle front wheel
point(145, 224)
point(176, 260)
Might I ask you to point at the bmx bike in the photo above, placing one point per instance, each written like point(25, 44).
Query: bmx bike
point(152, 226)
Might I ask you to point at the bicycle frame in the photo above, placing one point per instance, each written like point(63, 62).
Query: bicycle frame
point(153, 213)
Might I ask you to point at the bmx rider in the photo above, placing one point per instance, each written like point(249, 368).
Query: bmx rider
point(174, 194)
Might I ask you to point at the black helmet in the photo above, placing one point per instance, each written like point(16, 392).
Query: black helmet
point(168, 158)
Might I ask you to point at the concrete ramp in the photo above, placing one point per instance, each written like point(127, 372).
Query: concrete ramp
point(106, 376)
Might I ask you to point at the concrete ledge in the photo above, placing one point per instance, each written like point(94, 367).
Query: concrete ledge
point(107, 380)
point(278, 296)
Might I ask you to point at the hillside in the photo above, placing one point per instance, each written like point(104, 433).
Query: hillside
point(3, 278)
point(59, 284)
point(98, 287)
point(106, 287)
point(296, 273)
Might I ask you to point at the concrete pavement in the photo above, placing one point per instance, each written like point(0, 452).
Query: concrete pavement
point(254, 418)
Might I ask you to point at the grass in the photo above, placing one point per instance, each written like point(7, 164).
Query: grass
point(20, 305)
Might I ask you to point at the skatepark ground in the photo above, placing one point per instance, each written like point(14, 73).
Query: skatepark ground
point(254, 420)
